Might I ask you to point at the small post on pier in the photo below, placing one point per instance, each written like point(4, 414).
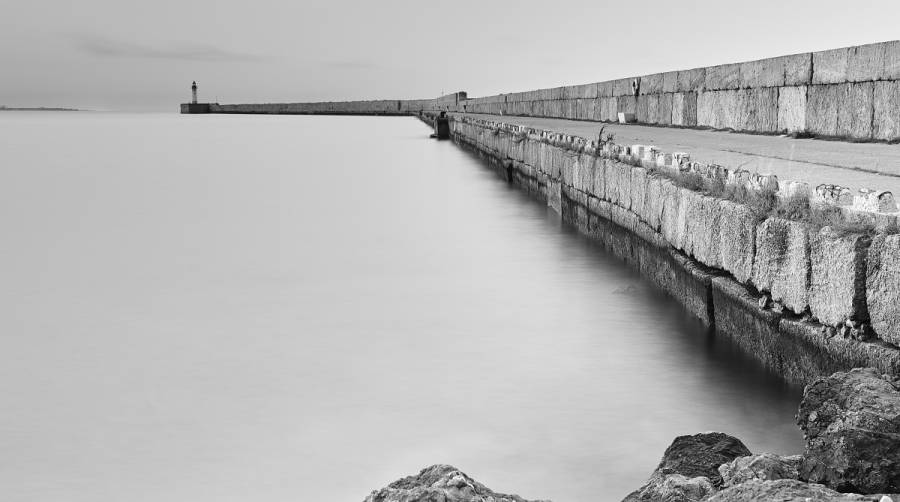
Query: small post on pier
point(194, 92)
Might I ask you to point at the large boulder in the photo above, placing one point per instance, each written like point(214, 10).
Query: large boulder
point(786, 490)
point(689, 469)
point(764, 467)
point(673, 488)
point(439, 483)
point(851, 422)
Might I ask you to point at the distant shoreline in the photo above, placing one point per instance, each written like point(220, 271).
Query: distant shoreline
point(37, 109)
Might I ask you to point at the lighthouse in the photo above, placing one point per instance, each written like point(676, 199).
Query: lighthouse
point(194, 106)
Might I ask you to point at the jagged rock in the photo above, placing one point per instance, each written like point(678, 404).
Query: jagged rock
point(688, 470)
point(764, 467)
point(673, 488)
point(439, 483)
point(851, 422)
point(786, 490)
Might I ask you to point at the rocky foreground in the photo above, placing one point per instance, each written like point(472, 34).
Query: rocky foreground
point(851, 424)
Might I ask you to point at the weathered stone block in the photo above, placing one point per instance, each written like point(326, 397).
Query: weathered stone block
point(589, 91)
point(737, 313)
point(762, 73)
point(883, 287)
point(792, 109)
point(684, 109)
point(727, 76)
point(797, 69)
point(584, 173)
point(865, 62)
point(670, 81)
point(652, 84)
point(719, 109)
point(598, 188)
point(758, 110)
point(622, 87)
point(781, 265)
point(626, 104)
point(654, 203)
point(704, 216)
point(653, 109)
point(891, 69)
point(638, 190)
point(610, 107)
point(691, 80)
point(855, 110)
point(664, 109)
point(822, 109)
point(886, 102)
point(737, 239)
point(689, 214)
point(605, 89)
point(669, 220)
point(558, 158)
point(643, 108)
point(830, 67)
point(622, 175)
point(838, 276)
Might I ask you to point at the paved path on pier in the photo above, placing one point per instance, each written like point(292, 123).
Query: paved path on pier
point(853, 165)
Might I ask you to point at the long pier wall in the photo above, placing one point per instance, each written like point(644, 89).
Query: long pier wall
point(807, 301)
point(853, 92)
point(374, 107)
point(849, 93)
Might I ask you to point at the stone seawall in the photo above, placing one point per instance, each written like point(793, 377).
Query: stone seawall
point(374, 107)
point(848, 93)
point(805, 301)
point(852, 92)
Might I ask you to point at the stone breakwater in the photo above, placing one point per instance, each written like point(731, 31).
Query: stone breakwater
point(806, 300)
point(852, 92)
point(372, 107)
point(849, 93)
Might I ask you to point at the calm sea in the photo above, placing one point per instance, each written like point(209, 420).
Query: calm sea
point(284, 308)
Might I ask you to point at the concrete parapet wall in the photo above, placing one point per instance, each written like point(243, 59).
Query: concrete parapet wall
point(806, 301)
point(853, 92)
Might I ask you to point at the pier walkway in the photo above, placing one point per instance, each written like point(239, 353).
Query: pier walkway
point(815, 161)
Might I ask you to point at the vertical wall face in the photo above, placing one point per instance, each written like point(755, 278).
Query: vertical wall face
point(726, 263)
point(852, 92)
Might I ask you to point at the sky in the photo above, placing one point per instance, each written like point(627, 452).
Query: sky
point(122, 54)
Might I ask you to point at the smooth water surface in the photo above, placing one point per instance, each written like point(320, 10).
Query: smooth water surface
point(285, 308)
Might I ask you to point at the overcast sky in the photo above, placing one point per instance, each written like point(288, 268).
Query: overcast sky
point(121, 54)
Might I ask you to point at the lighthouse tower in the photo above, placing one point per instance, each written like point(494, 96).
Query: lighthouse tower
point(194, 93)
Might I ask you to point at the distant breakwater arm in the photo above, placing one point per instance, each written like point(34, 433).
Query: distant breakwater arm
point(847, 93)
point(376, 107)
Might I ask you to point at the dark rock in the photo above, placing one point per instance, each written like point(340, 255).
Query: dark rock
point(786, 490)
point(851, 422)
point(439, 483)
point(701, 455)
point(689, 469)
point(763, 467)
